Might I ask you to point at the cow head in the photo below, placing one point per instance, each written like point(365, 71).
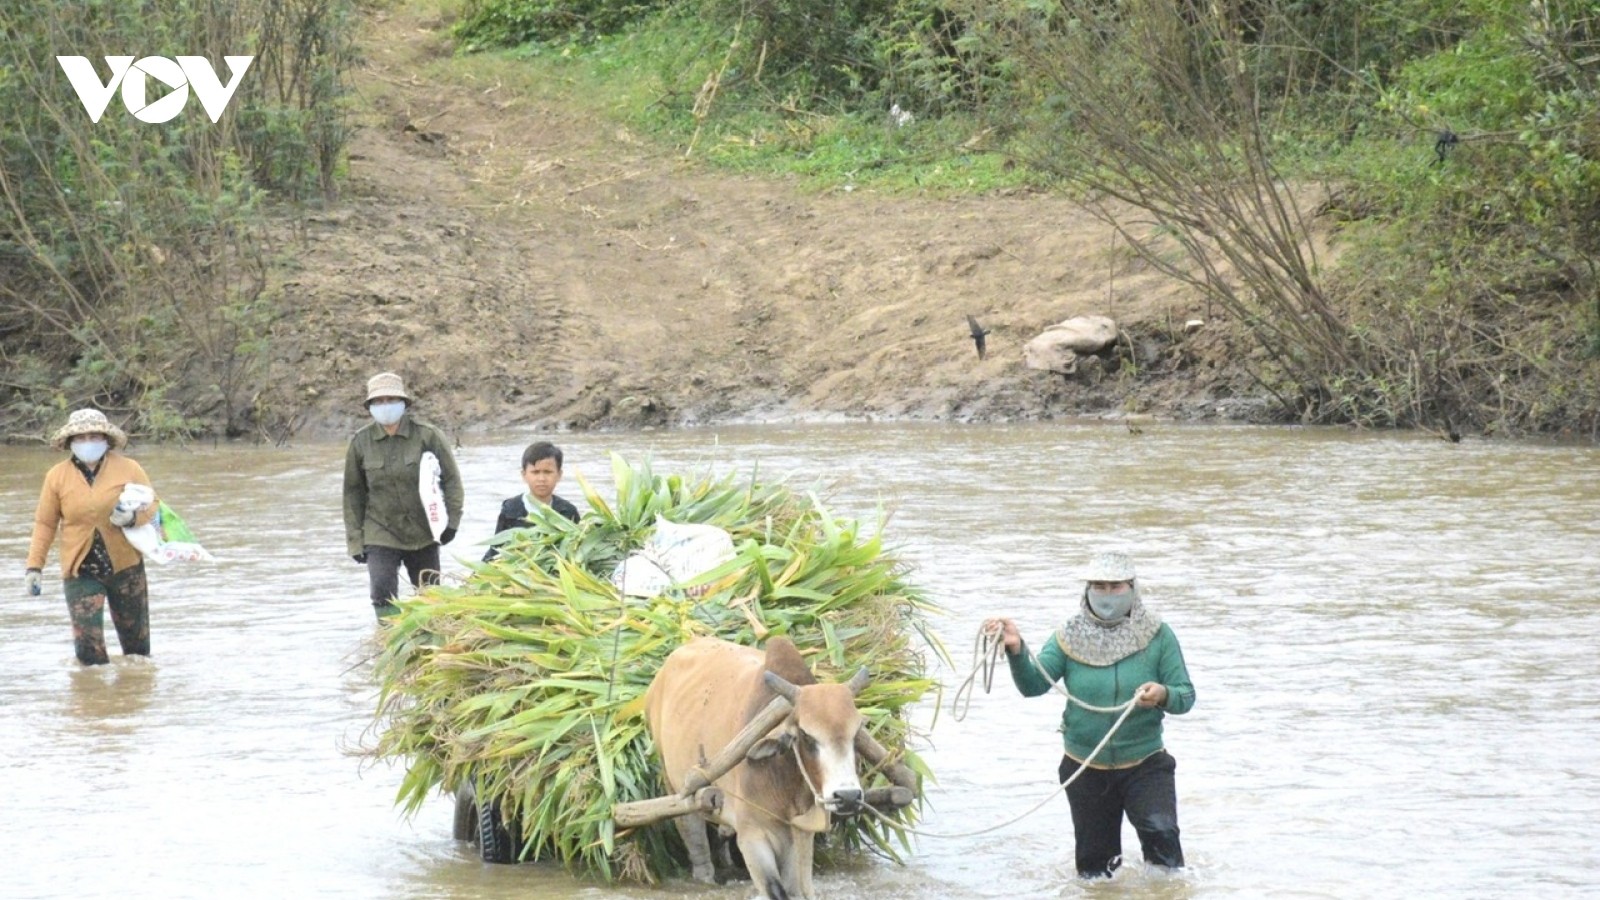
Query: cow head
point(821, 735)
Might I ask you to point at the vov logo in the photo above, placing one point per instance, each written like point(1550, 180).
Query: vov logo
point(181, 75)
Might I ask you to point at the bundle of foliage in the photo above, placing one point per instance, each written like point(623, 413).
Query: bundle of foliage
point(527, 679)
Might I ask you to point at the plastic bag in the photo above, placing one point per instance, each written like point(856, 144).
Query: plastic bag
point(166, 537)
point(674, 554)
point(430, 489)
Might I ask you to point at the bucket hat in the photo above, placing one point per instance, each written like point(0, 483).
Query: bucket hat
point(386, 384)
point(89, 421)
point(1109, 566)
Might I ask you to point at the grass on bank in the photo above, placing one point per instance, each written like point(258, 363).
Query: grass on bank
point(666, 82)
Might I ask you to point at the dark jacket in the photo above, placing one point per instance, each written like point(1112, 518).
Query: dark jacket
point(382, 502)
point(514, 514)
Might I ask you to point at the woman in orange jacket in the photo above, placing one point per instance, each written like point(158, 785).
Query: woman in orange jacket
point(80, 503)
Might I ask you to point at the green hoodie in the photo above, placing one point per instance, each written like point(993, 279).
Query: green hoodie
point(1160, 661)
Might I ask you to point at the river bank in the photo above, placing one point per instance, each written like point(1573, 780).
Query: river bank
point(525, 265)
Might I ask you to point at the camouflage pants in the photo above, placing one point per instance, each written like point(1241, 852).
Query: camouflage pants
point(129, 596)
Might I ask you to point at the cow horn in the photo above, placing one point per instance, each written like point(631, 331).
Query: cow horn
point(859, 681)
point(783, 688)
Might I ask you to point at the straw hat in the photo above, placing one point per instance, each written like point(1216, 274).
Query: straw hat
point(386, 384)
point(1109, 567)
point(89, 421)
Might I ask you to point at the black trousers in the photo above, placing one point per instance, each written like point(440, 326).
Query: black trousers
point(1147, 794)
point(383, 572)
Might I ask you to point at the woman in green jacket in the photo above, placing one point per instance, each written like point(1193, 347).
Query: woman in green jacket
point(1112, 652)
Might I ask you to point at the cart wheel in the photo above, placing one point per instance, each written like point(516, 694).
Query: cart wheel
point(494, 839)
point(465, 827)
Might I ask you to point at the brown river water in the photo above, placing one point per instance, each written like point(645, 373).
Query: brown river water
point(1393, 642)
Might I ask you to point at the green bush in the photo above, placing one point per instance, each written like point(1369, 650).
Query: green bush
point(507, 23)
point(129, 251)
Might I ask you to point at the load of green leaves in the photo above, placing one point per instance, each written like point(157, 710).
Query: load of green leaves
point(526, 680)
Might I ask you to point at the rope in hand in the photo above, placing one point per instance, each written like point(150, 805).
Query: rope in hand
point(1126, 708)
point(987, 650)
point(988, 647)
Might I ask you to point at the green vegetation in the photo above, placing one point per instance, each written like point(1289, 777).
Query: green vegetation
point(132, 258)
point(1452, 149)
point(1443, 158)
point(527, 679)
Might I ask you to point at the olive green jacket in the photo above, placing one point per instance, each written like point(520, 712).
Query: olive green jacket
point(1160, 661)
point(382, 503)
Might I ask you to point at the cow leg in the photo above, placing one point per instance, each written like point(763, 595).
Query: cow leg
point(724, 855)
point(800, 862)
point(763, 860)
point(692, 827)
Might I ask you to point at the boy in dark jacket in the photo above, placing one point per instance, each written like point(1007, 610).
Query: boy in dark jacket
point(541, 472)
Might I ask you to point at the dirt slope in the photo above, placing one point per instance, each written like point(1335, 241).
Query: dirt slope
point(523, 264)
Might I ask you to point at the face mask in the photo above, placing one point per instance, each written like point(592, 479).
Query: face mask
point(387, 413)
point(1111, 607)
point(89, 452)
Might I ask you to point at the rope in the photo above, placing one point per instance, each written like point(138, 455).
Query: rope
point(816, 795)
point(1126, 709)
point(987, 649)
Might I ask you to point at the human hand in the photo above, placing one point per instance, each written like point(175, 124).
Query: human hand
point(123, 517)
point(1150, 694)
point(360, 557)
point(31, 582)
point(1008, 633)
point(446, 536)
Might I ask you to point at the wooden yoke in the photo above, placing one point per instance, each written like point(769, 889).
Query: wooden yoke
point(648, 812)
point(765, 721)
point(904, 780)
point(697, 793)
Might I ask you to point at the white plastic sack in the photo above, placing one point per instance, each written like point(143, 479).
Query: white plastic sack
point(149, 539)
point(674, 554)
point(431, 489)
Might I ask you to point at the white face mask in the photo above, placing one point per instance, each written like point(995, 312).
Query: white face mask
point(1111, 607)
point(388, 413)
point(89, 452)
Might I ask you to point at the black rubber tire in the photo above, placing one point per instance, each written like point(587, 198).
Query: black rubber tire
point(494, 839)
point(465, 827)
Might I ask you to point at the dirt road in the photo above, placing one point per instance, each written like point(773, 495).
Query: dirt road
point(522, 264)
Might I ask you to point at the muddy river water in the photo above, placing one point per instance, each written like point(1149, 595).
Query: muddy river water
point(1393, 641)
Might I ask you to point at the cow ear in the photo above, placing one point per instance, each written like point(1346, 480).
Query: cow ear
point(768, 747)
point(858, 681)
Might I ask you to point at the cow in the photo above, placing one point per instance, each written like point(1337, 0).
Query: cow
point(779, 797)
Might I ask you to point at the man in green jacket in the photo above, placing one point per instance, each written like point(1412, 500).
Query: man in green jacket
point(1114, 651)
point(385, 523)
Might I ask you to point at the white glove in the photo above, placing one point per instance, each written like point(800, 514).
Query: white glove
point(30, 582)
point(122, 518)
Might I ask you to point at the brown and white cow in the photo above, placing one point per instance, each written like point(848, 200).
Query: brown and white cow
point(780, 795)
